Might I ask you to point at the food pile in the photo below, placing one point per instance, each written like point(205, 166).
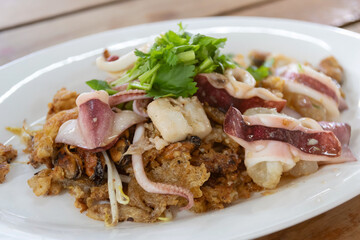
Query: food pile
point(179, 125)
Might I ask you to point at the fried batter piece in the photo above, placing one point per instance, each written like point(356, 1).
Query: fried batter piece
point(47, 181)
point(228, 180)
point(220, 192)
point(63, 100)
point(331, 67)
point(43, 142)
point(7, 154)
point(214, 114)
point(61, 110)
point(274, 84)
point(171, 165)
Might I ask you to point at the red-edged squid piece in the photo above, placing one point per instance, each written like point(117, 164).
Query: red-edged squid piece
point(304, 138)
point(147, 184)
point(343, 132)
point(275, 143)
point(236, 88)
point(304, 80)
point(126, 96)
point(97, 127)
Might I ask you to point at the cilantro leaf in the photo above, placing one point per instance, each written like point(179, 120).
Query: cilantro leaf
point(101, 85)
point(181, 83)
point(258, 73)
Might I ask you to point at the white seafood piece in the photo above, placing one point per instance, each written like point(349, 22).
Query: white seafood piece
point(97, 126)
point(124, 62)
point(178, 118)
point(241, 84)
point(331, 102)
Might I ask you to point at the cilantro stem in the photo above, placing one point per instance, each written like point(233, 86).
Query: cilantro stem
point(205, 64)
point(127, 78)
point(138, 85)
point(186, 56)
point(148, 74)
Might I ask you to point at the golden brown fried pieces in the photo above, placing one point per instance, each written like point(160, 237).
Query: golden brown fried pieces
point(220, 192)
point(62, 109)
point(214, 114)
point(44, 140)
point(102, 212)
point(7, 154)
point(274, 84)
point(171, 165)
point(331, 67)
point(71, 163)
point(219, 153)
point(175, 168)
point(228, 181)
point(4, 170)
point(47, 182)
point(63, 100)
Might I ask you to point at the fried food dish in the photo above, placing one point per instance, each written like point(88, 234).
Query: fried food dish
point(180, 126)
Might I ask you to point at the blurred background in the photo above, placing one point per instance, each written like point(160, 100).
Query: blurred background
point(30, 25)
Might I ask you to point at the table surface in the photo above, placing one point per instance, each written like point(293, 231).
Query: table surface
point(29, 25)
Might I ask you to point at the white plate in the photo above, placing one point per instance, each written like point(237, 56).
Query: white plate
point(28, 84)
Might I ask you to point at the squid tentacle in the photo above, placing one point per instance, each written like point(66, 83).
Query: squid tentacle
point(153, 187)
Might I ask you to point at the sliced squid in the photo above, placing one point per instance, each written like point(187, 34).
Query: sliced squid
point(121, 63)
point(304, 80)
point(97, 126)
point(126, 96)
point(274, 142)
point(235, 88)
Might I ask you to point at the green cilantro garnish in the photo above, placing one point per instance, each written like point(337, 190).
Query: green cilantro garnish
point(169, 68)
point(259, 73)
point(300, 68)
point(101, 85)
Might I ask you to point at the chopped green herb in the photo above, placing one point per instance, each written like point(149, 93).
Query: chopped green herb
point(101, 85)
point(300, 68)
point(170, 66)
point(259, 73)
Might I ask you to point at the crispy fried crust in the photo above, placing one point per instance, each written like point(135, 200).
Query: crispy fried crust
point(43, 143)
point(47, 182)
point(331, 67)
point(7, 154)
point(63, 100)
